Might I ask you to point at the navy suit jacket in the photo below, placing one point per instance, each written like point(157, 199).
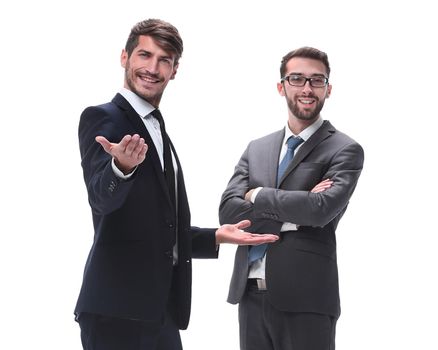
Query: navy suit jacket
point(129, 272)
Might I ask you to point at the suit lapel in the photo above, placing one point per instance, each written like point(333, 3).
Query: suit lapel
point(273, 156)
point(181, 188)
point(135, 120)
point(326, 130)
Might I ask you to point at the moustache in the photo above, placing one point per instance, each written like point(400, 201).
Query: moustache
point(147, 74)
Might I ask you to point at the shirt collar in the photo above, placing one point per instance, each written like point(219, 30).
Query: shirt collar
point(142, 107)
point(306, 133)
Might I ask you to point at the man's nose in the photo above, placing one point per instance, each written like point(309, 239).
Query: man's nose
point(307, 87)
point(152, 66)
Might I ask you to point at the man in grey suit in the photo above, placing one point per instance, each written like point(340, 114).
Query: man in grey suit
point(288, 292)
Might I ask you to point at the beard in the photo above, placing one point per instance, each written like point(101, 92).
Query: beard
point(303, 114)
point(152, 98)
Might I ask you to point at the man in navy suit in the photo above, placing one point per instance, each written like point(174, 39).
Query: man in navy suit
point(136, 289)
point(288, 293)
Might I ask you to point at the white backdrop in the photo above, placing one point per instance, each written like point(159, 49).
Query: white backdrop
point(57, 58)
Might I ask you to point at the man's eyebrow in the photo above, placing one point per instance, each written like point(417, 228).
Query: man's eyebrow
point(169, 57)
point(312, 75)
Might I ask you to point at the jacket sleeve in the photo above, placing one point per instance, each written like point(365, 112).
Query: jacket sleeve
point(204, 243)
point(106, 191)
point(315, 209)
point(234, 208)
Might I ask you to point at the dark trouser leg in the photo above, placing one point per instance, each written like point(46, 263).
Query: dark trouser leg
point(262, 327)
point(301, 331)
point(109, 333)
point(254, 334)
point(169, 338)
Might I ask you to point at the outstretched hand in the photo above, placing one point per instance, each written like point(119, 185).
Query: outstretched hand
point(128, 153)
point(235, 234)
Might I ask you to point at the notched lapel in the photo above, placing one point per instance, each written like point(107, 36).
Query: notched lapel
point(264, 159)
point(273, 156)
point(326, 130)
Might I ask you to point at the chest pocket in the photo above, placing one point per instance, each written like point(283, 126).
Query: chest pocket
point(304, 177)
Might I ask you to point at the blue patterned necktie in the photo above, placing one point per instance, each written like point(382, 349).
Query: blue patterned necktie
point(292, 144)
point(258, 251)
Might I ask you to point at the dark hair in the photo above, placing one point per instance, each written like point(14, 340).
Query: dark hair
point(165, 35)
point(305, 52)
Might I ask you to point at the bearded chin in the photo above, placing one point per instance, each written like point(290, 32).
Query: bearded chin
point(144, 95)
point(305, 115)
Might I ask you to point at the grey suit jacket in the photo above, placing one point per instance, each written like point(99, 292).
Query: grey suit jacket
point(301, 268)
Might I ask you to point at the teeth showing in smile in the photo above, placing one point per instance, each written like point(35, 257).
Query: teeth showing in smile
point(306, 101)
point(149, 80)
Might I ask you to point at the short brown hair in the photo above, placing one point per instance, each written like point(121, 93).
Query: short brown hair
point(305, 52)
point(164, 33)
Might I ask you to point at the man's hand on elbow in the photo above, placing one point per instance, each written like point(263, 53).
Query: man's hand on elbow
point(248, 195)
point(322, 186)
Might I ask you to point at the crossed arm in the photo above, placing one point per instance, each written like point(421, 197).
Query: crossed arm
point(322, 186)
point(273, 207)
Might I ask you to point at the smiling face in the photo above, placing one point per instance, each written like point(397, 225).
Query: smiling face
point(304, 102)
point(148, 70)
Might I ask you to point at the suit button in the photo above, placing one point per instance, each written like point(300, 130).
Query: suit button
point(169, 254)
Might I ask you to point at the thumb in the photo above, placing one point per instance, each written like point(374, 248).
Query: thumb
point(243, 224)
point(104, 143)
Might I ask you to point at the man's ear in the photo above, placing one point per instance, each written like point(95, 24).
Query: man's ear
point(175, 69)
point(123, 58)
point(329, 91)
point(280, 89)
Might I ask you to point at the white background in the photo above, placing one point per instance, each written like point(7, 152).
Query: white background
point(59, 57)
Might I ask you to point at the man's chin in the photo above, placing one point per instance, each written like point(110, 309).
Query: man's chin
point(306, 116)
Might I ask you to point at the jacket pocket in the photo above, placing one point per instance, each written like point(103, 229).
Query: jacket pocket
point(316, 247)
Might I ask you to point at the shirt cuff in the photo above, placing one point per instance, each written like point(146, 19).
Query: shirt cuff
point(255, 193)
point(289, 226)
point(119, 173)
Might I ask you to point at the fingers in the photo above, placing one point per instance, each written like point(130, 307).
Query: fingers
point(142, 152)
point(134, 146)
point(125, 141)
point(234, 234)
point(322, 186)
point(248, 195)
point(128, 153)
point(266, 238)
point(256, 239)
point(131, 146)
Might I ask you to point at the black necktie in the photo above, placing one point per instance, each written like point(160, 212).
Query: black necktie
point(169, 172)
point(258, 251)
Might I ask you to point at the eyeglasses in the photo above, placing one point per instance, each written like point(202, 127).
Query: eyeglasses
point(299, 80)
